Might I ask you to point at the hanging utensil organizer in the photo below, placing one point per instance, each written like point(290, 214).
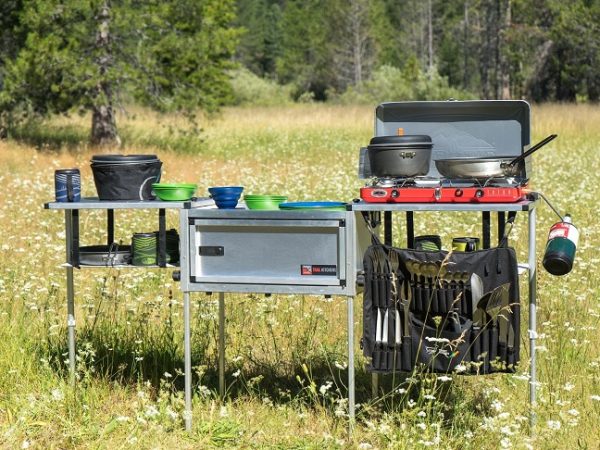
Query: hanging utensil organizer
point(420, 309)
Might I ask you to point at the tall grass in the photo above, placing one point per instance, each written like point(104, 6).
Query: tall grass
point(286, 357)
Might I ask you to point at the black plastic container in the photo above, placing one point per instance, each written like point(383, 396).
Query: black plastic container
point(125, 177)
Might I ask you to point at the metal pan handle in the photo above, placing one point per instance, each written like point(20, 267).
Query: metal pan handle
point(533, 149)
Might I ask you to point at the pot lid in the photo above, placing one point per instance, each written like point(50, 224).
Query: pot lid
point(117, 158)
point(405, 140)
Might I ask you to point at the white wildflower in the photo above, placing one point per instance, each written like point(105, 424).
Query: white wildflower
point(236, 373)
point(122, 419)
point(25, 444)
point(167, 375)
point(325, 387)
point(422, 426)
point(497, 405)
point(596, 398)
point(553, 424)
point(435, 339)
point(421, 414)
point(429, 397)
point(573, 412)
point(57, 394)
point(340, 365)
point(151, 411)
point(364, 446)
point(444, 378)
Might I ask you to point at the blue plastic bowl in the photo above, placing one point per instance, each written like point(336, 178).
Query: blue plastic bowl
point(226, 190)
point(226, 204)
point(226, 197)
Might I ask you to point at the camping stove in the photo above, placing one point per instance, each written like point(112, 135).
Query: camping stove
point(440, 190)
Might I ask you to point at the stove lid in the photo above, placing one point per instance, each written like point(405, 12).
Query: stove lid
point(482, 128)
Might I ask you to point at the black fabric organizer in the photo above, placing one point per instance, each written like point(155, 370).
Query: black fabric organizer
point(445, 329)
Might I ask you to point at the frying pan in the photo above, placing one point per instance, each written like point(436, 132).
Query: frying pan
point(483, 168)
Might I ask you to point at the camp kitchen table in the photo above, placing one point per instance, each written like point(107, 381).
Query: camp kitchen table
point(209, 238)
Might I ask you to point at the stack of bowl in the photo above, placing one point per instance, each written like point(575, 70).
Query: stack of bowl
point(226, 197)
point(174, 191)
point(264, 201)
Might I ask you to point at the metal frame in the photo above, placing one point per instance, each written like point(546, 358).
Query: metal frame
point(528, 205)
point(72, 243)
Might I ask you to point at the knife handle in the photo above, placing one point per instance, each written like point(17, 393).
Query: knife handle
point(406, 354)
point(475, 344)
point(485, 348)
point(398, 337)
point(493, 343)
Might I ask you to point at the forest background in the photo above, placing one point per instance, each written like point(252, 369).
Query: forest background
point(64, 56)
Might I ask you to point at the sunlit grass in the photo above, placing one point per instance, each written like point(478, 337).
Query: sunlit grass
point(285, 355)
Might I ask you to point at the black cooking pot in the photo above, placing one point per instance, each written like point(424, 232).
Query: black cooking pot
point(400, 156)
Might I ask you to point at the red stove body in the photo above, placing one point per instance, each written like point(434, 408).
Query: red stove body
point(438, 191)
point(442, 194)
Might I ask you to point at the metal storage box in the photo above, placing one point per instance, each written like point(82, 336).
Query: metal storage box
point(295, 252)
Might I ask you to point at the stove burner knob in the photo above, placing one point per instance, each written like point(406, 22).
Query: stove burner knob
point(479, 193)
point(395, 193)
point(458, 193)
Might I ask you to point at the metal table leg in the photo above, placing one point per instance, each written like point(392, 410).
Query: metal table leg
point(187, 356)
point(532, 314)
point(70, 292)
point(222, 344)
point(351, 399)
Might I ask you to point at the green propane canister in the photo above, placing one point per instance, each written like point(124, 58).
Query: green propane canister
point(561, 246)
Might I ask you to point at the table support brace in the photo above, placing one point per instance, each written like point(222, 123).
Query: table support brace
point(351, 399)
point(187, 356)
point(222, 344)
point(69, 231)
point(532, 316)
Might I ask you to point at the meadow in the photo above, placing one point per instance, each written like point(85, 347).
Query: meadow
point(286, 355)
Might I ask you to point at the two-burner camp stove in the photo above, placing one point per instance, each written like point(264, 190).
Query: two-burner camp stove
point(440, 190)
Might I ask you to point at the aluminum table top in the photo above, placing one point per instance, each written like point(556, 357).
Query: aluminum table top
point(95, 203)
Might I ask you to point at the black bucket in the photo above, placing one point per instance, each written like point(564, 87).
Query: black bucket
point(125, 177)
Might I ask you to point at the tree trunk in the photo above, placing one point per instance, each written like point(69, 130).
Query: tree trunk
point(429, 39)
point(466, 52)
point(504, 66)
point(104, 126)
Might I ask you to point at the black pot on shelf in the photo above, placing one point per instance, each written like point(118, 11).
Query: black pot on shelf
point(125, 177)
point(400, 156)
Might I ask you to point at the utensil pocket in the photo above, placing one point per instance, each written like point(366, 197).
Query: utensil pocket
point(440, 350)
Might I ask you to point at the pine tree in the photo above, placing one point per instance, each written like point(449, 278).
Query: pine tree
point(84, 55)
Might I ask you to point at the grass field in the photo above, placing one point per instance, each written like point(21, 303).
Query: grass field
point(285, 356)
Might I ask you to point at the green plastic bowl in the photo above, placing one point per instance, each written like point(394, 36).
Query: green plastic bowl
point(172, 192)
point(265, 202)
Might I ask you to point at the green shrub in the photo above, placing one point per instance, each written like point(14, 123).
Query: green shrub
point(250, 89)
point(392, 84)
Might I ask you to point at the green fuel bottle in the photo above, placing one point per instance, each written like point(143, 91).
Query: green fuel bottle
point(561, 247)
